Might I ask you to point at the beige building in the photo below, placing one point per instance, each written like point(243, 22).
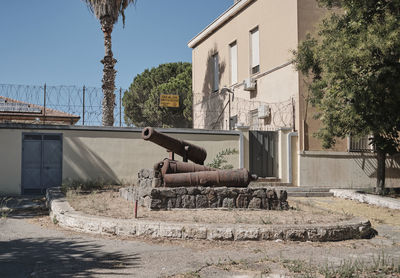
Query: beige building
point(243, 79)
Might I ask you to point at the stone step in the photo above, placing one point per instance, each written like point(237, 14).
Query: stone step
point(309, 194)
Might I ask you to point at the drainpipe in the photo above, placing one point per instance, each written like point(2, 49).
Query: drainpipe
point(241, 151)
point(289, 154)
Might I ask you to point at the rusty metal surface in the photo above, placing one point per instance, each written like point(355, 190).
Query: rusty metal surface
point(229, 178)
point(192, 152)
point(168, 166)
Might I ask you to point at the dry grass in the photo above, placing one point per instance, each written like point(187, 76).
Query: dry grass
point(377, 215)
point(108, 203)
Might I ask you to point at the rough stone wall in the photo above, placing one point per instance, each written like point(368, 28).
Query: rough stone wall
point(207, 197)
point(149, 194)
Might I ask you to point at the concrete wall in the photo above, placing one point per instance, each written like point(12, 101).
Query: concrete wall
point(104, 153)
point(345, 170)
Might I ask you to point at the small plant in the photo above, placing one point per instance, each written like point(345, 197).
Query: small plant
point(266, 221)
point(298, 266)
point(87, 185)
point(55, 221)
point(220, 162)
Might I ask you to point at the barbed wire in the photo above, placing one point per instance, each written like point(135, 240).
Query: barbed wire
point(82, 101)
point(207, 113)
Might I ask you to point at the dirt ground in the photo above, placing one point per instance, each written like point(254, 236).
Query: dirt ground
point(108, 203)
point(376, 257)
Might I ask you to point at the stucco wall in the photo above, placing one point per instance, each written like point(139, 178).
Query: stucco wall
point(345, 170)
point(113, 155)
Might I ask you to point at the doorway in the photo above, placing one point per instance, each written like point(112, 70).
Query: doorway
point(41, 162)
point(263, 153)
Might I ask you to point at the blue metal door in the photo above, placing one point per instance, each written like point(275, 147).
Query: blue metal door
point(41, 162)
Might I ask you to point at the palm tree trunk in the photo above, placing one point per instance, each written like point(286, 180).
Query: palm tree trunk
point(380, 171)
point(108, 73)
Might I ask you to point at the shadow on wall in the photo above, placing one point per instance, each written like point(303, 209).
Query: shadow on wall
point(53, 257)
point(212, 102)
point(368, 164)
point(81, 163)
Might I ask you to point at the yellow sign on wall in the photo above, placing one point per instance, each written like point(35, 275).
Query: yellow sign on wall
point(169, 100)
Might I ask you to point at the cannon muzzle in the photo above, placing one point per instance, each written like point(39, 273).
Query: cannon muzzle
point(186, 150)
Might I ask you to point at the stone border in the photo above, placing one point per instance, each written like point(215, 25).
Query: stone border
point(366, 198)
point(64, 215)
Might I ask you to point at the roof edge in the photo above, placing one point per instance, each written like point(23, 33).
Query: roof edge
point(224, 17)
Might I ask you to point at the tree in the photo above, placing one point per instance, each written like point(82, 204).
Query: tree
point(141, 101)
point(108, 11)
point(354, 70)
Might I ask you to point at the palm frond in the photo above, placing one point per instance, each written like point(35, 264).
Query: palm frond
point(111, 8)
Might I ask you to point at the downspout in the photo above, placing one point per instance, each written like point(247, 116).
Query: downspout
point(241, 150)
point(289, 154)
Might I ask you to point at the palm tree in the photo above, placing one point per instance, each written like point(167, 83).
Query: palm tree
point(108, 11)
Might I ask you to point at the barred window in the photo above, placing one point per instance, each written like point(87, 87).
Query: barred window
point(360, 144)
point(253, 115)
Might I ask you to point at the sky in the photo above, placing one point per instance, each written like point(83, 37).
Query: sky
point(59, 42)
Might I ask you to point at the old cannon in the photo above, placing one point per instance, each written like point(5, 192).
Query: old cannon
point(168, 166)
point(175, 174)
point(187, 150)
point(228, 178)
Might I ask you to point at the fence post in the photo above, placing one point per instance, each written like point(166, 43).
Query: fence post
point(120, 110)
point(44, 103)
point(83, 105)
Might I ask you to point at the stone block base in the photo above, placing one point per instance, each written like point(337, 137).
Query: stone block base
point(206, 197)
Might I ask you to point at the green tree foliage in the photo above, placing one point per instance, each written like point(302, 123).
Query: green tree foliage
point(354, 68)
point(141, 101)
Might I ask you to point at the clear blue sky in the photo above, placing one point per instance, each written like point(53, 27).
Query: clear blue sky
point(60, 42)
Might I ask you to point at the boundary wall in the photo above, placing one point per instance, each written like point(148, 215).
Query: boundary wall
point(110, 154)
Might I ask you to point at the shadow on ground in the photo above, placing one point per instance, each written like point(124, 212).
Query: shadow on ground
point(60, 258)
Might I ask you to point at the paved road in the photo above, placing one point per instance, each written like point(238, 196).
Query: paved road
point(35, 247)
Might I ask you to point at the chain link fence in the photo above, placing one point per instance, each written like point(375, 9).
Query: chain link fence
point(81, 101)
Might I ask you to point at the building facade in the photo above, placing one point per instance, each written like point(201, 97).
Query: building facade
point(243, 79)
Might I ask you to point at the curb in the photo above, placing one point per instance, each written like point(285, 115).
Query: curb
point(64, 215)
point(367, 198)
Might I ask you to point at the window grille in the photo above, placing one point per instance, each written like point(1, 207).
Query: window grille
point(360, 144)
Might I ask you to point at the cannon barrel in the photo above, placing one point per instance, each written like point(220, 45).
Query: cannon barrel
point(168, 166)
point(192, 152)
point(228, 178)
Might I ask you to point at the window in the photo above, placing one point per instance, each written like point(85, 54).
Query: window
point(254, 119)
point(234, 65)
point(255, 51)
point(215, 62)
point(360, 144)
point(233, 122)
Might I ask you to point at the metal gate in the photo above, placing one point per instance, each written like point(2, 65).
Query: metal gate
point(263, 153)
point(41, 162)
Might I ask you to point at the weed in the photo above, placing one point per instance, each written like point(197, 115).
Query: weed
point(266, 221)
point(380, 266)
point(266, 270)
point(296, 266)
point(219, 161)
point(3, 207)
point(196, 219)
point(88, 185)
point(192, 274)
point(55, 221)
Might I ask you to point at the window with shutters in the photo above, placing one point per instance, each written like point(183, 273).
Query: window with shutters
point(255, 51)
point(215, 62)
point(234, 62)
